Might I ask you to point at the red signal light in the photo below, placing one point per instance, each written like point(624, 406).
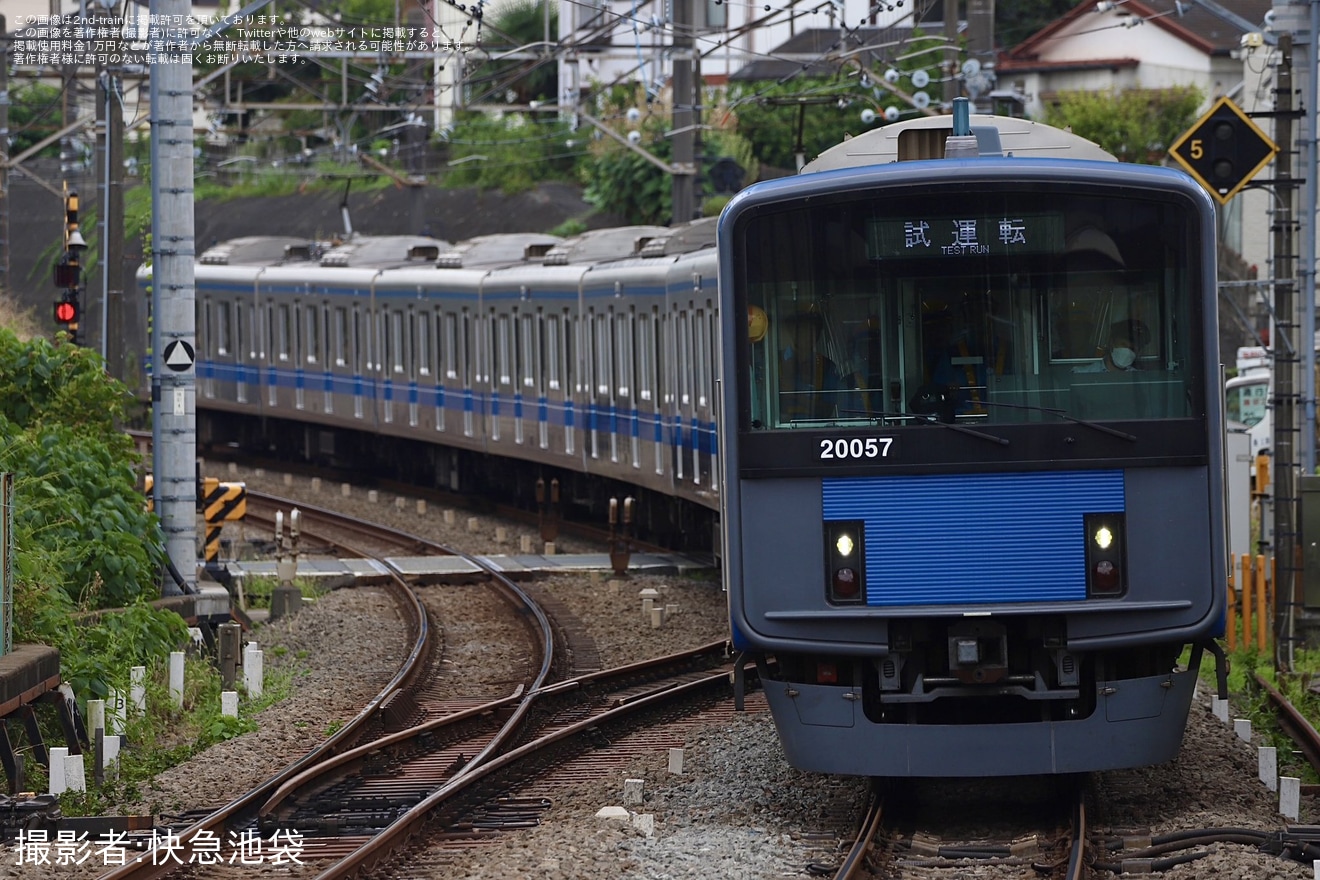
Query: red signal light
point(66, 312)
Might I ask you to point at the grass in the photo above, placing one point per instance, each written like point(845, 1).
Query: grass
point(165, 736)
point(258, 591)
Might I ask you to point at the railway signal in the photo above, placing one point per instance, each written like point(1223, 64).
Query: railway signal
point(1224, 150)
point(68, 272)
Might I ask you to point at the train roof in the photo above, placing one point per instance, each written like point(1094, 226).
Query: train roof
point(597, 245)
point(500, 249)
point(385, 251)
point(923, 138)
point(258, 250)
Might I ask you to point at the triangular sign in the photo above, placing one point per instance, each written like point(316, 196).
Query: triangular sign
point(179, 355)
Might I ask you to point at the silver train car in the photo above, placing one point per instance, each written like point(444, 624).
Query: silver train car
point(481, 366)
point(972, 452)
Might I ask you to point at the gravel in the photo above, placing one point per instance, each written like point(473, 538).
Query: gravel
point(737, 811)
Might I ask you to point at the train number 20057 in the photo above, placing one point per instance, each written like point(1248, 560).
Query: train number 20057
point(844, 449)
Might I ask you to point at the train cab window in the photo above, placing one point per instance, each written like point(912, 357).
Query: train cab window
point(1020, 305)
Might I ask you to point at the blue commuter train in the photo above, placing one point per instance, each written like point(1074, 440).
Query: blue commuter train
point(972, 451)
point(483, 366)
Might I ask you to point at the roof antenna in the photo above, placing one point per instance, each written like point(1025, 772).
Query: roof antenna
point(962, 143)
point(343, 210)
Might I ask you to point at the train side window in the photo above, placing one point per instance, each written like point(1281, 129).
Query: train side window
point(360, 362)
point(645, 357)
point(450, 343)
point(529, 356)
point(604, 352)
point(238, 332)
point(703, 358)
point(684, 338)
point(623, 331)
point(425, 350)
point(282, 332)
point(398, 359)
point(313, 335)
point(464, 350)
point(224, 343)
point(341, 336)
point(503, 360)
point(554, 352)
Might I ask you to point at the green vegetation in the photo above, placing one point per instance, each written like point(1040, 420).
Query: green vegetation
point(258, 590)
point(1137, 125)
point(84, 541)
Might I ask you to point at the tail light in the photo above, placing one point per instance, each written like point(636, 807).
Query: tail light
point(845, 562)
point(1106, 559)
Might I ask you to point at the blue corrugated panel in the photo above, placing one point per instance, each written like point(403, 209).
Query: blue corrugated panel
point(978, 538)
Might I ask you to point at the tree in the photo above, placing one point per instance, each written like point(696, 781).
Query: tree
point(520, 25)
point(1137, 125)
point(1016, 20)
point(36, 113)
point(79, 518)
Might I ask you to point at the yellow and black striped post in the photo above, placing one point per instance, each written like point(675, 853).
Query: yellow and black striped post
point(221, 502)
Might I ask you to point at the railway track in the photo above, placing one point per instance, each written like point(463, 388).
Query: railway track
point(408, 763)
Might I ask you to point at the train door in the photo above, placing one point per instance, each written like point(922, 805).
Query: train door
point(448, 378)
point(469, 372)
point(298, 352)
point(360, 357)
point(648, 388)
point(558, 376)
point(683, 395)
point(702, 427)
point(626, 383)
point(529, 361)
point(398, 357)
point(337, 354)
point(422, 393)
point(314, 354)
point(249, 350)
point(501, 372)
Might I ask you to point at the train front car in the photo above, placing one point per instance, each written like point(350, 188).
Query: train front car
point(973, 462)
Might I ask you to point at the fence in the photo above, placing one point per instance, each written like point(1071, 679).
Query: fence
point(1251, 599)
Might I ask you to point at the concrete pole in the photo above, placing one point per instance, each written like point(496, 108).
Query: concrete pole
point(6, 289)
point(1306, 285)
point(173, 292)
point(684, 162)
point(1285, 341)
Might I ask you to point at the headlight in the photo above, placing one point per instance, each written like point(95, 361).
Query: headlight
point(845, 562)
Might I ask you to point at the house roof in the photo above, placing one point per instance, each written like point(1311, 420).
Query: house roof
point(1205, 25)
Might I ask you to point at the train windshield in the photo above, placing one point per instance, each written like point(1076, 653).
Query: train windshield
point(999, 306)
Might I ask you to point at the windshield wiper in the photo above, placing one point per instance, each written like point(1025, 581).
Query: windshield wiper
point(1104, 429)
point(929, 419)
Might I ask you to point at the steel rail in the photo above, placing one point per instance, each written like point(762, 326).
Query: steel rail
point(1294, 724)
point(853, 862)
point(381, 846)
point(149, 864)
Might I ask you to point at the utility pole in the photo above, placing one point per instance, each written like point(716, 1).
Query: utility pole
point(173, 291)
point(110, 182)
point(1286, 343)
point(6, 288)
point(685, 127)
